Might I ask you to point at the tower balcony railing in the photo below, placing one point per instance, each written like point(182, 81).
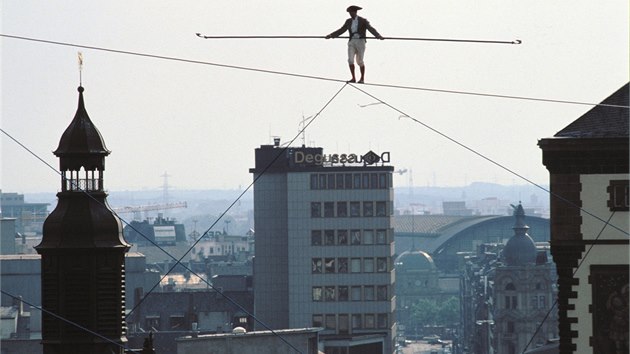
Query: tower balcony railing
point(82, 185)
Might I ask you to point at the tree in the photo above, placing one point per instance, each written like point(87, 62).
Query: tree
point(425, 312)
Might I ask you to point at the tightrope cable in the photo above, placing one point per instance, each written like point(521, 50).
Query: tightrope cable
point(303, 76)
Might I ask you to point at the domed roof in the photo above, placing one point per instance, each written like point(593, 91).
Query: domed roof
point(520, 248)
point(414, 260)
point(81, 144)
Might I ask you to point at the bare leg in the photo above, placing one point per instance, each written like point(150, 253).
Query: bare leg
point(362, 68)
point(352, 72)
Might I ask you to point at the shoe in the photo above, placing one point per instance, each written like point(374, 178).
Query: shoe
point(360, 81)
point(351, 81)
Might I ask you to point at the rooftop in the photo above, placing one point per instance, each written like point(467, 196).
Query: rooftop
point(602, 121)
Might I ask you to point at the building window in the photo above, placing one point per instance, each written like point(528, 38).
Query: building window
point(369, 321)
point(339, 181)
point(342, 293)
point(534, 302)
point(510, 287)
point(356, 321)
point(510, 327)
point(355, 265)
point(343, 265)
point(329, 209)
point(329, 264)
point(342, 237)
point(368, 237)
point(316, 265)
point(342, 209)
point(329, 237)
point(316, 238)
point(618, 195)
point(176, 322)
point(368, 209)
point(318, 321)
point(511, 302)
point(344, 324)
point(314, 181)
point(381, 237)
point(368, 293)
point(381, 209)
point(366, 181)
point(541, 302)
point(322, 181)
point(373, 180)
point(355, 209)
point(368, 265)
point(316, 209)
point(356, 181)
point(152, 323)
point(355, 293)
point(355, 236)
point(381, 293)
point(317, 293)
point(329, 293)
point(331, 181)
point(348, 181)
point(381, 320)
point(381, 264)
point(382, 180)
point(331, 322)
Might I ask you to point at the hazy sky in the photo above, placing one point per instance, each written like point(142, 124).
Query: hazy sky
point(202, 123)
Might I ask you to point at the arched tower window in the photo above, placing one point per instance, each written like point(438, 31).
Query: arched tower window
point(82, 180)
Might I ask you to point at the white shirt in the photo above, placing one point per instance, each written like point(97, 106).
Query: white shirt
point(354, 27)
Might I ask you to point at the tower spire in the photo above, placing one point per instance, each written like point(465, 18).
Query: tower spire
point(83, 250)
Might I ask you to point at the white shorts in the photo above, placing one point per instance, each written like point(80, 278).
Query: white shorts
point(356, 48)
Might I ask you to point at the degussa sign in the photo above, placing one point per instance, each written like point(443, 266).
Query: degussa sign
point(369, 158)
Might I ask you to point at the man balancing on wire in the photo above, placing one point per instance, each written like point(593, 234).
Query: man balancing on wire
point(356, 26)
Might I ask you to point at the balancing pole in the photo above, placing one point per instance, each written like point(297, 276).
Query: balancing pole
point(516, 41)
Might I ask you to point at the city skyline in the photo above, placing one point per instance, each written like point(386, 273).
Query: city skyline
point(200, 123)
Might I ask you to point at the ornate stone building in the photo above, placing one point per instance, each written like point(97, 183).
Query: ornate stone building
point(588, 172)
point(524, 293)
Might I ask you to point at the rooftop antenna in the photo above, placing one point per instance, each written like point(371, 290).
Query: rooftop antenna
point(302, 128)
point(80, 58)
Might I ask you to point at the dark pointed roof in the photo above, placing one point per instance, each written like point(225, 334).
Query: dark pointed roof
point(602, 121)
point(81, 136)
point(81, 144)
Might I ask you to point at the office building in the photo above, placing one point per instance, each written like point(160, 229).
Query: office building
point(324, 246)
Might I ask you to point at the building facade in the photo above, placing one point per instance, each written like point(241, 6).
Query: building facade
point(324, 246)
point(589, 174)
point(524, 292)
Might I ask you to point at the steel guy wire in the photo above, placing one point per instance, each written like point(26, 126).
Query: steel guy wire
point(479, 154)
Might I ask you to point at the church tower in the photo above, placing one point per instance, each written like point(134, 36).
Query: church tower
point(83, 251)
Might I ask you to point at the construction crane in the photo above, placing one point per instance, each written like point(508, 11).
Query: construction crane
point(136, 210)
